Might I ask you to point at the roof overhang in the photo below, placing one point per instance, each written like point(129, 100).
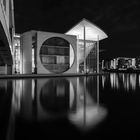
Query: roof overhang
point(92, 32)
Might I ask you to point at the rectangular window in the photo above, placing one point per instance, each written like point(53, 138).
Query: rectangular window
point(51, 51)
point(60, 59)
point(48, 59)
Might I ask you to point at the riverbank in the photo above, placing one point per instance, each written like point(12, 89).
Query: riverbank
point(123, 71)
point(21, 76)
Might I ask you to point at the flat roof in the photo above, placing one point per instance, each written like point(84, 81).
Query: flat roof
point(92, 32)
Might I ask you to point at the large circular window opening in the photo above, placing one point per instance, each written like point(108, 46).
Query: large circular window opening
point(57, 55)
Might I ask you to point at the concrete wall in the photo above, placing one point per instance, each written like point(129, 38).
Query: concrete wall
point(26, 53)
point(41, 37)
point(4, 20)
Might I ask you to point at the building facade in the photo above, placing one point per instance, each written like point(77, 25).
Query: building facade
point(76, 51)
point(44, 52)
point(7, 29)
point(121, 63)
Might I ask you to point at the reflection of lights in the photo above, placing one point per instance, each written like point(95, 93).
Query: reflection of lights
point(88, 117)
point(71, 95)
point(59, 98)
point(17, 95)
point(133, 81)
point(88, 113)
point(103, 81)
point(125, 83)
point(114, 80)
point(60, 90)
point(128, 81)
point(139, 80)
point(33, 89)
point(3, 84)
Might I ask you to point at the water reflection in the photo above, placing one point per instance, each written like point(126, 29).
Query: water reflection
point(125, 81)
point(75, 99)
point(5, 104)
point(54, 96)
point(88, 112)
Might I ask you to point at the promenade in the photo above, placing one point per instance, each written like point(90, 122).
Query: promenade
point(21, 76)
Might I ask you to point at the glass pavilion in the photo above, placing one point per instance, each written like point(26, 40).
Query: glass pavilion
point(88, 37)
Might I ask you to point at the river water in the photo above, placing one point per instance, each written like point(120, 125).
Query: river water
point(98, 107)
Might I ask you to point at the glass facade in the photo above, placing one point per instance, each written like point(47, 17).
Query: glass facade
point(55, 54)
point(90, 54)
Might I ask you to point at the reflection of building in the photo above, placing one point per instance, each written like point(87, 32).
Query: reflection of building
point(73, 52)
point(6, 36)
point(123, 81)
point(40, 100)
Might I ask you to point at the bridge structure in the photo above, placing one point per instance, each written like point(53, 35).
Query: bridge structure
point(7, 30)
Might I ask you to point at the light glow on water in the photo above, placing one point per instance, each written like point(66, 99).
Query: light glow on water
point(122, 81)
point(56, 98)
point(70, 106)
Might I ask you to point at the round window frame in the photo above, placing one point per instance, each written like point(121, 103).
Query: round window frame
point(70, 45)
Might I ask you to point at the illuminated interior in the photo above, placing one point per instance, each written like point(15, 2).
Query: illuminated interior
point(88, 36)
point(17, 59)
point(56, 55)
point(92, 32)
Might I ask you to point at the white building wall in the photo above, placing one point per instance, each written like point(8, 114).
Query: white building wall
point(43, 36)
point(26, 53)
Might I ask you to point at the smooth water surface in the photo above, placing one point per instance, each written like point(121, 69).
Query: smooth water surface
point(98, 107)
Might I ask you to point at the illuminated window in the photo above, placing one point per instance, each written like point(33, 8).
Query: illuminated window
point(17, 54)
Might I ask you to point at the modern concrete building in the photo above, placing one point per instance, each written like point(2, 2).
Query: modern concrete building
point(73, 52)
point(6, 36)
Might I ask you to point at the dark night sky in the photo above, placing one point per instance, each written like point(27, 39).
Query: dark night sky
point(120, 19)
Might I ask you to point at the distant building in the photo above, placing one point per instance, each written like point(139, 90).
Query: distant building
point(120, 63)
point(138, 62)
point(76, 51)
point(7, 29)
point(126, 63)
